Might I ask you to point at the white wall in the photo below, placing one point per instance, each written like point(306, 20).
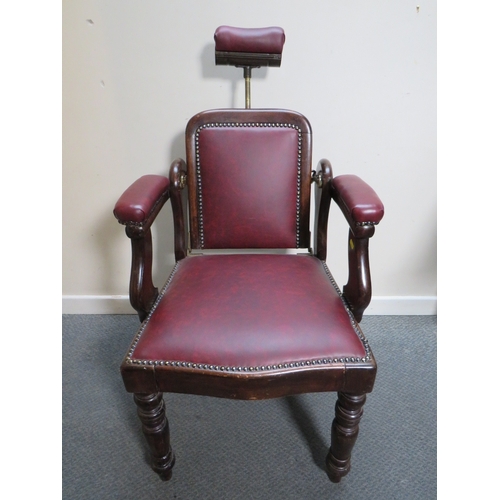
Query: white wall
point(363, 72)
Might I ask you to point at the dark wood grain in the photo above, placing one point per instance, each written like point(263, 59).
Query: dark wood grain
point(345, 429)
point(263, 384)
point(358, 289)
point(151, 411)
point(142, 291)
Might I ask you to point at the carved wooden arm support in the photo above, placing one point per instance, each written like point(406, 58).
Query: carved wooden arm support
point(137, 209)
point(363, 210)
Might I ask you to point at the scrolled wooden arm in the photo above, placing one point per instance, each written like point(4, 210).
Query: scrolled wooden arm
point(137, 208)
point(363, 210)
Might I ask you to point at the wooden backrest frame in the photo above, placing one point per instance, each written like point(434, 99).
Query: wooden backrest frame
point(250, 118)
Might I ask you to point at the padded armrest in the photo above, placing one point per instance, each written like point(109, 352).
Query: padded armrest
point(137, 208)
point(357, 200)
point(138, 203)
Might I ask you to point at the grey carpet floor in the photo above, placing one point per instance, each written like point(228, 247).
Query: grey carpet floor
point(227, 449)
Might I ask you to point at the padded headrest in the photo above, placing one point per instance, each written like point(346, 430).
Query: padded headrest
point(252, 47)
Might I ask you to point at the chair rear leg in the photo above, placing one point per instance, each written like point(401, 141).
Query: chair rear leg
point(345, 429)
point(151, 411)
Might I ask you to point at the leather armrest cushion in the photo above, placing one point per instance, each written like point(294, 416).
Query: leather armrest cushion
point(357, 199)
point(138, 202)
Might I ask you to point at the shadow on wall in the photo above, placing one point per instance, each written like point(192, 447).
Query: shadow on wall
point(163, 229)
point(110, 236)
point(234, 75)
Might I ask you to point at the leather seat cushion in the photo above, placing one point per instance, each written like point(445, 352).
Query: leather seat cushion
point(246, 311)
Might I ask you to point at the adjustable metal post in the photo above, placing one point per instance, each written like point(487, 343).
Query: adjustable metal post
point(247, 73)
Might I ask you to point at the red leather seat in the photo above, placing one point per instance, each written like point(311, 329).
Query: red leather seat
point(252, 314)
point(264, 318)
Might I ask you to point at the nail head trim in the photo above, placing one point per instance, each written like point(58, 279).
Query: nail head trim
point(246, 124)
point(285, 365)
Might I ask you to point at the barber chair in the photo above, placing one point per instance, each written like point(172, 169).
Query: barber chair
point(250, 311)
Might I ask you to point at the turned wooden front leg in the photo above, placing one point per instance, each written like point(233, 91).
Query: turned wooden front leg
point(151, 411)
point(345, 428)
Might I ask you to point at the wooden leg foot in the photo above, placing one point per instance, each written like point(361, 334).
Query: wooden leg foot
point(166, 476)
point(345, 429)
point(151, 411)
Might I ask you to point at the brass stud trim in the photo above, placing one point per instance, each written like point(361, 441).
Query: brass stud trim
point(308, 363)
point(246, 124)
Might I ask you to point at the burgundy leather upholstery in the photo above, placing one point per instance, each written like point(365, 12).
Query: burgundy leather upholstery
point(259, 40)
point(249, 179)
point(138, 201)
point(249, 187)
point(357, 199)
point(244, 311)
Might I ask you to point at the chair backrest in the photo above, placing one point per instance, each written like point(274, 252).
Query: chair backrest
point(249, 176)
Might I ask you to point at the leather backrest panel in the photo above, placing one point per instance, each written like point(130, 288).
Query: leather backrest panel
point(246, 177)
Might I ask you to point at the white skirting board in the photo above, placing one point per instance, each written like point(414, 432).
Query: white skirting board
point(119, 304)
point(402, 306)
